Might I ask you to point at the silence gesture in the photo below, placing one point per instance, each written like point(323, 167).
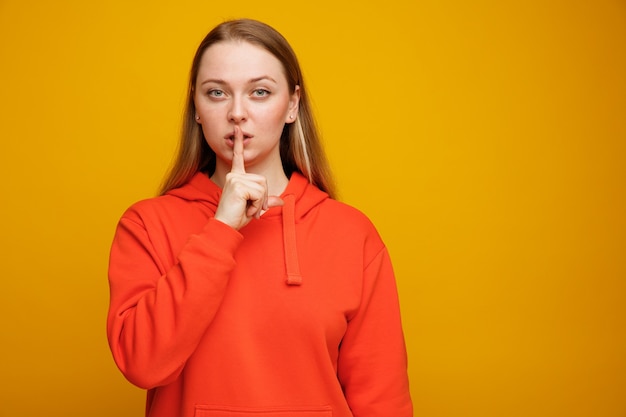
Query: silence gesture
point(245, 195)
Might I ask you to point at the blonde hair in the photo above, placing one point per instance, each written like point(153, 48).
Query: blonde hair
point(300, 145)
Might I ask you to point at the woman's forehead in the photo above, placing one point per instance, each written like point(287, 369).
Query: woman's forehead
point(238, 59)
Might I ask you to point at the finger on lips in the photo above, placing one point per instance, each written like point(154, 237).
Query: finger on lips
point(238, 164)
point(258, 200)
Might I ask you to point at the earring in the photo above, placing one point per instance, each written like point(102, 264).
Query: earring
point(291, 116)
point(197, 117)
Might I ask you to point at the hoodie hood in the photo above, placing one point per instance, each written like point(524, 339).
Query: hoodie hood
point(300, 197)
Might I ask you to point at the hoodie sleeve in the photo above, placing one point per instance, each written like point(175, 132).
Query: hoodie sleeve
point(157, 316)
point(372, 364)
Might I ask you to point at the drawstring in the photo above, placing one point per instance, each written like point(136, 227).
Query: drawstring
point(289, 236)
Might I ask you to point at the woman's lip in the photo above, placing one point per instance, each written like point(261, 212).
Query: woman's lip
point(230, 140)
point(231, 136)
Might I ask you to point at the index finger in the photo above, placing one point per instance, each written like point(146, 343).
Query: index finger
point(238, 165)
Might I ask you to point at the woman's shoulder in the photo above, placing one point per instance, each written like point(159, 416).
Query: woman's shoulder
point(345, 209)
point(148, 206)
point(349, 226)
point(198, 194)
point(162, 208)
point(347, 215)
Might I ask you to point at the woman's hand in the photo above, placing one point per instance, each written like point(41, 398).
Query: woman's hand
point(245, 195)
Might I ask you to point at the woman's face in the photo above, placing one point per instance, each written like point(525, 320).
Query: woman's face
point(242, 84)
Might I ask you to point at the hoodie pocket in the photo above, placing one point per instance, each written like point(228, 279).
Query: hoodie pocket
point(228, 411)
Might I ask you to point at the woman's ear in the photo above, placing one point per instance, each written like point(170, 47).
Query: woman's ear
point(294, 103)
point(196, 116)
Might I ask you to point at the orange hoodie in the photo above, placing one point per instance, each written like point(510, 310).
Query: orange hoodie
point(295, 315)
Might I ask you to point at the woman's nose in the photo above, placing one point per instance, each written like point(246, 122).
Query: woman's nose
point(237, 111)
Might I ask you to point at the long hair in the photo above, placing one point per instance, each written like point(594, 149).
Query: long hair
point(300, 145)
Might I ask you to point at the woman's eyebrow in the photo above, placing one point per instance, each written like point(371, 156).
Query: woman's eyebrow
point(251, 81)
point(214, 81)
point(261, 78)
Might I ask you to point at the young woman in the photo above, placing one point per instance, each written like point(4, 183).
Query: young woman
point(244, 288)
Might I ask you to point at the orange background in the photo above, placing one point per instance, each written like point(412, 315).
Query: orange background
point(485, 139)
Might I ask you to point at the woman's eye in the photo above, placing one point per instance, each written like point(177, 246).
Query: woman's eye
point(260, 92)
point(216, 93)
